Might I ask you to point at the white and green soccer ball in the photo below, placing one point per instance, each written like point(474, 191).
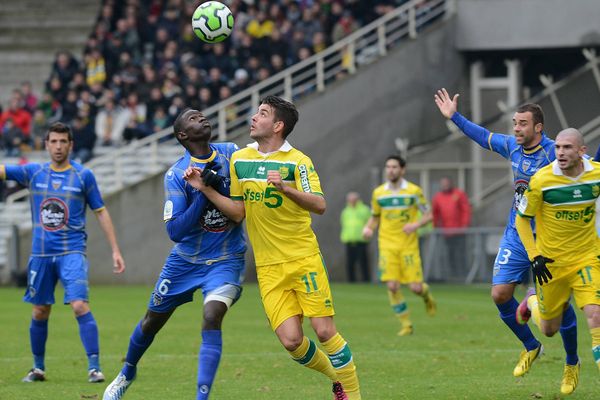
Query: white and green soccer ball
point(212, 22)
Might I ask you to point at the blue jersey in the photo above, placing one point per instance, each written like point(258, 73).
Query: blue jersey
point(58, 204)
point(214, 236)
point(524, 162)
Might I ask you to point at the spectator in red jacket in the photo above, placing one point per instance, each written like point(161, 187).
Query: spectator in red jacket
point(20, 117)
point(452, 213)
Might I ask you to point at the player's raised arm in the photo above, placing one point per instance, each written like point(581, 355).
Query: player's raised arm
point(446, 104)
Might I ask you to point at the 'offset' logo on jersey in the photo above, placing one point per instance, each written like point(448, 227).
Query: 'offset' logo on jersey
point(53, 214)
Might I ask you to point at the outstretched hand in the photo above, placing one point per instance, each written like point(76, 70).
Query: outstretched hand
point(447, 105)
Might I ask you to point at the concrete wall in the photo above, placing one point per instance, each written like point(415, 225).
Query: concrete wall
point(350, 129)
point(517, 24)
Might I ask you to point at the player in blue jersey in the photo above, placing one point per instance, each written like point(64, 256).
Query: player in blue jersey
point(208, 254)
point(528, 151)
point(60, 192)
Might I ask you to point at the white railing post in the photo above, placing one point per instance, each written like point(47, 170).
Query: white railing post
point(351, 53)
point(424, 182)
point(590, 55)
point(450, 6)
point(412, 22)
point(476, 157)
point(320, 75)
point(118, 171)
point(255, 100)
point(548, 82)
point(154, 153)
point(222, 120)
point(288, 87)
point(381, 40)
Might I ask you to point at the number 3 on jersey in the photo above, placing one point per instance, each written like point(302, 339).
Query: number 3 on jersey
point(503, 256)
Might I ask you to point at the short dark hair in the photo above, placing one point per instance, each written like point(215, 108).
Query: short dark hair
point(535, 110)
point(285, 111)
point(178, 124)
point(400, 160)
point(59, 127)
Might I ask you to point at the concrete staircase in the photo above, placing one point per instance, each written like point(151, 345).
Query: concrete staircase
point(32, 31)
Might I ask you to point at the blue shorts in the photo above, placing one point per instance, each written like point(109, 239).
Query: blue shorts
point(179, 279)
point(512, 264)
point(44, 272)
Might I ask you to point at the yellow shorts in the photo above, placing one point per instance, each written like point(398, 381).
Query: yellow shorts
point(299, 287)
point(582, 282)
point(403, 266)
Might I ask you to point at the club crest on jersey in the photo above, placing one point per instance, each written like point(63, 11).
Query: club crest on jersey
point(595, 190)
point(56, 184)
point(526, 164)
point(521, 186)
point(53, 214)
point(284, 172)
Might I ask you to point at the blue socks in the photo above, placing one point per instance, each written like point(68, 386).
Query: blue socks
point(507, 314)
point(38, 333)
point(138, 344)
point(568, 331)
point(208, 361)
point(88, 332)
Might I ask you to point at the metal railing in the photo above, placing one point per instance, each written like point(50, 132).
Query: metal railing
point(554, 99)
point(140, 159)
point(314, 74)
point(460, 256)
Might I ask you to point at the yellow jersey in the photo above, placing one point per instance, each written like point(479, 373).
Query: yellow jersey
point(564, 209)
point(278, 228)
point(395, 208)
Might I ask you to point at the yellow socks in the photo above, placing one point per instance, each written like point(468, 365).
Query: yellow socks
point(309, 355)
point(341, 359)
point(399, 307)
point(532, 304)
point(596, 344)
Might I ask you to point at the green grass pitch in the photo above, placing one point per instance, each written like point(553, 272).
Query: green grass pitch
point(464, 352)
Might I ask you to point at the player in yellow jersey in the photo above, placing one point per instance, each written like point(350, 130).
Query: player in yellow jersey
point(564, 255)
point(275, 187)
point(396, 205)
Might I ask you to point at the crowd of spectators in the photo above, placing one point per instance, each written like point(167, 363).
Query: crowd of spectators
point(142, 64)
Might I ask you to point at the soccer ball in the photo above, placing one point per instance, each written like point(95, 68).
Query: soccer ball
point(212, 22)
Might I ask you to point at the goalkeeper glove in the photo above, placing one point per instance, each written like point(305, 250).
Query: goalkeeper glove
point(539, 269)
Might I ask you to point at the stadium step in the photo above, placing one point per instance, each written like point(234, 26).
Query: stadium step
point(32, 32)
